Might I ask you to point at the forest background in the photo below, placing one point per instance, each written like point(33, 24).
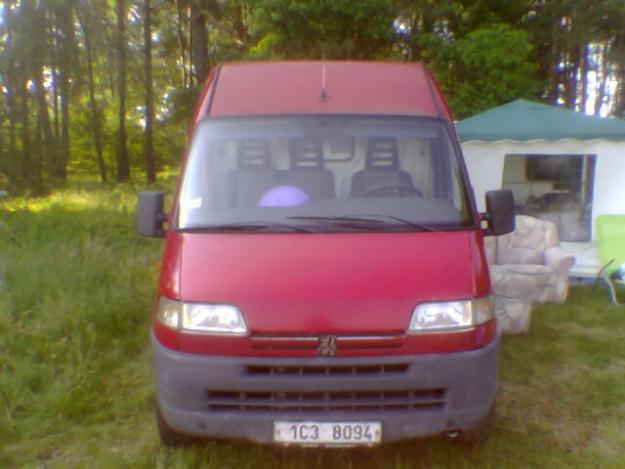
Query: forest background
point(105, 88)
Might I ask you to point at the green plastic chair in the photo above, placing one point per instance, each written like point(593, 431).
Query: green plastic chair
point(611, 243)
point(611, 239)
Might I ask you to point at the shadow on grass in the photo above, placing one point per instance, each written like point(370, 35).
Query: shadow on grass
point(431, 452)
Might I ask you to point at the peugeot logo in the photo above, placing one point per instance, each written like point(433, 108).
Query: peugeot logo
point(327, 346)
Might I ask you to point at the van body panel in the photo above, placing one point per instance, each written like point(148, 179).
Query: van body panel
point(171, 267)
point(323, 282)
point(260, 88)
point(481, 275)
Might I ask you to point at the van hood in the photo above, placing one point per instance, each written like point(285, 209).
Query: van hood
point(324, 282)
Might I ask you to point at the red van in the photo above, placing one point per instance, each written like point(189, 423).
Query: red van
point(323, 279)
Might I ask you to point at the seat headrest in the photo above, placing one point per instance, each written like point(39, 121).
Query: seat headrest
point(253, 154)
point(306, 153)
point(382, 153)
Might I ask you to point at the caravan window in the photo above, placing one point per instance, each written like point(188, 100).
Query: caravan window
point(558, 188)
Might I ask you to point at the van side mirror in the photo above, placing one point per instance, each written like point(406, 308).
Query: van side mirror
point(150, 215)
point(499, 212)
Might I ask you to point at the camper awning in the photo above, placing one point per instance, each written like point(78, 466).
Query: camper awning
point(523, 120)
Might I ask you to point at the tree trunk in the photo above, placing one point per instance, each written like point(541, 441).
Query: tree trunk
point(25, 132)
point(2, 145)
point(556, 58)
point(603, 82)
point(123, 166)
point(13, 117)
point(93, 104)
point(10, 85)
point(585, 69)
point(572, 70)
point(240, 26)
point(49, 145)
point(63, 157)
point(12, 113)
point(199, 40)
point(182, 44)
point(66, 45)
point(149, 94)
point(55, 105)
point(619, 97)
point(38, 155)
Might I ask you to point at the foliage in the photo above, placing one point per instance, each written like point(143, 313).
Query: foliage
point(60, 62)
point(330, 29)
point(76, 289)
point(487, 67)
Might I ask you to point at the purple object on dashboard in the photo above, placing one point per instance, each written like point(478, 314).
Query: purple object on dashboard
point(283, 196)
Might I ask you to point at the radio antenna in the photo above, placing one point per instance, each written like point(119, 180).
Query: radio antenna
point(324, 96)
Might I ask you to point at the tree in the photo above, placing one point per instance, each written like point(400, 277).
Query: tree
point(148, 149)
point(123, 165)
point(9, 80)
point(63, 13)
point(199, 38)
point(45, 143)
point(23, 69)
point(331, 29)
point(85, 19)
point(490, 66)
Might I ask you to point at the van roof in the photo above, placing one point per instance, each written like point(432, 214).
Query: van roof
point(322, 87)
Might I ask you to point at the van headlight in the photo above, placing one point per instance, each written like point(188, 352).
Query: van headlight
point(451, 314)
point(201, 317)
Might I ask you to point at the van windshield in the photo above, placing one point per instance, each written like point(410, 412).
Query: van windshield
point(322, 173)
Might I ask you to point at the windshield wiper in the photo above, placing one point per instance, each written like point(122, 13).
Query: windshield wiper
point(403, 221)
point(350, 222)
point(245, 226)
point(363, 221)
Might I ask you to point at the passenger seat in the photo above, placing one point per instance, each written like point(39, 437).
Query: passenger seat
point(254, 175)
point(381, 169)
point(307, 169)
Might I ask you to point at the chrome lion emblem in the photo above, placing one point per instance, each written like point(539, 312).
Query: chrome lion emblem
point(327, 346)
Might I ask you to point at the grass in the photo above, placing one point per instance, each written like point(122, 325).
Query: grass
point(76, 289)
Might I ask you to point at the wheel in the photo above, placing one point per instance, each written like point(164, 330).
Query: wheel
point(402, 188)
point(170, 437)
point(481, 431)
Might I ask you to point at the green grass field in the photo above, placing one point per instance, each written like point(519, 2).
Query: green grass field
point(76, 290)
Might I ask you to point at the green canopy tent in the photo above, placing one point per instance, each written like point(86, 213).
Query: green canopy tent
point(523, 120)
point(561, 165)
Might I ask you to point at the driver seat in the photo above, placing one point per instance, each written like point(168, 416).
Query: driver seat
point(381, 169)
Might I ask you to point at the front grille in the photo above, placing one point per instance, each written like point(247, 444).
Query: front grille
point(343, 343)
point(312, 401)
point(318, 370)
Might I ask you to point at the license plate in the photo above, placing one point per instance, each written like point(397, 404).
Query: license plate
point(327, 433)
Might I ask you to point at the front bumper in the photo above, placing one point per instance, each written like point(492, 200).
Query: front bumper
point(240, 397)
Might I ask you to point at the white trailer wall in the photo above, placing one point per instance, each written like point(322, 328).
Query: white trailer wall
point(485, 162)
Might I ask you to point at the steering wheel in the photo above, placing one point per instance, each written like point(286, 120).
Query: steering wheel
point(403, 188)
